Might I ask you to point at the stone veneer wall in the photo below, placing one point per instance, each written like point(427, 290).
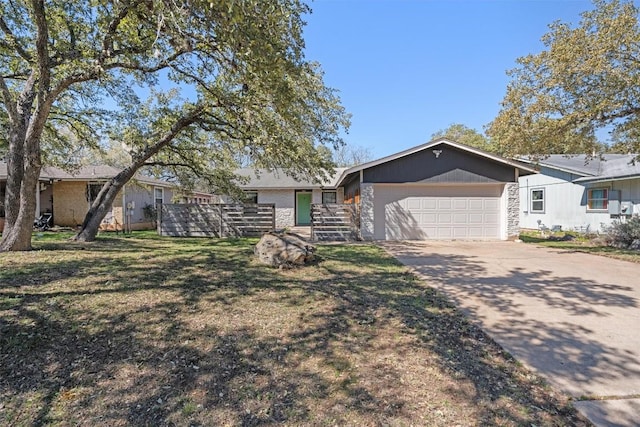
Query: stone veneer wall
point(366, 211)
point(513, 209)
point(285, 206)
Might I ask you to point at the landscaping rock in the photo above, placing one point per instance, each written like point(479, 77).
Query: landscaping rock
point(284, 250)
point(635, 245)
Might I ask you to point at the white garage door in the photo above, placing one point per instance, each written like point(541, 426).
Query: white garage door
point(420, 212)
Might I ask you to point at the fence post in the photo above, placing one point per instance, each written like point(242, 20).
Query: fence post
point(158, 220)
point(220, 217)
point(313, 206)
point(273, 217)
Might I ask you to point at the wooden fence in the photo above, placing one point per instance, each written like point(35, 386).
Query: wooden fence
point(335, 222)
point(216, 220)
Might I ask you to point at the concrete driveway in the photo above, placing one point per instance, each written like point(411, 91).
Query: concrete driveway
point(574, 318)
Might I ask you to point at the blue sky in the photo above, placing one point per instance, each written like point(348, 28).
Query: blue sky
point(406, 69)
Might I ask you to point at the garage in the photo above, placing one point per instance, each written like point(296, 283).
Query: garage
point(440, 190)
point(420, 212)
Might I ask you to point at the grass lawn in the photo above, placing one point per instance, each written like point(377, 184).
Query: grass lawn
point(580, 244)
point(142, 330)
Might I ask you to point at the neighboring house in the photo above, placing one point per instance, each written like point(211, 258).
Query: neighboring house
point(195, 197)
point(292, 197)
point(68, 195)
point(578, 193)
point(438, 190)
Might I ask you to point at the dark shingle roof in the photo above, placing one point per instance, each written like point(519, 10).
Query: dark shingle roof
point(86, 173)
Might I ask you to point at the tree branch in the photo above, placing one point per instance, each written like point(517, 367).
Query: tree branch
point(180, 124)
point(14, 45)
point(8, 101)
point(107, 42)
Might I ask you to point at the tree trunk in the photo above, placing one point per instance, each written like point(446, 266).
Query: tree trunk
point(109, 191)
point(101, 205)
point(23, 172)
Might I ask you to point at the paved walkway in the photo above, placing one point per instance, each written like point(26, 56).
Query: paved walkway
point(572, 317)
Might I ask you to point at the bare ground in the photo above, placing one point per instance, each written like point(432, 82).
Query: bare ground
point(151, 331)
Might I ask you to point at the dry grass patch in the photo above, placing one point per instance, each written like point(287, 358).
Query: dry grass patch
point(154, 331)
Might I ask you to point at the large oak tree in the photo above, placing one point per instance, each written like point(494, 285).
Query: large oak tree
point(224, 79)
point(586, 80)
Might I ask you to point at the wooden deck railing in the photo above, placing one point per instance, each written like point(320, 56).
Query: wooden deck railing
point(335, 222)
point(215, 220)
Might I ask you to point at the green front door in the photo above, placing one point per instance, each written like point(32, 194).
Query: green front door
point(303, 208)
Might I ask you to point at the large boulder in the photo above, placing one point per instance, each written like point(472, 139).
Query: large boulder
point(284, 250)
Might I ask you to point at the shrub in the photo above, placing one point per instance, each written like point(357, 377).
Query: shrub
point(623, 233)
point(150, 213)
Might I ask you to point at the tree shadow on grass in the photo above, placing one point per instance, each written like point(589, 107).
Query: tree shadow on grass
point(156, 342)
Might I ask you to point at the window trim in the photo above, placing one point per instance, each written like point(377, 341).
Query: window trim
point(335, 197)
point(155, 197)
point(604, 199)
point(543, 200)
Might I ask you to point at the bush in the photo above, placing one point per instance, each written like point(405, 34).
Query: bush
point(622, 233)
point(150, 213)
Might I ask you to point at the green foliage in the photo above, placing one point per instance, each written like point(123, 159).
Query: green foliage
point(221, 82)
point(239, 65)
point(458, 132)
point(624, 233)
point(587, 79)
point(150, 213)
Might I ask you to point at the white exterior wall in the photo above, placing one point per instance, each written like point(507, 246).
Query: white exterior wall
point(566, 203)
point(285, 205)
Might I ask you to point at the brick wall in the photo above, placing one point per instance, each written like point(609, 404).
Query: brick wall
point(69, 203)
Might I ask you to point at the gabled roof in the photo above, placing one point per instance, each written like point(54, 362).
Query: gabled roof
point(87, 173)
point(263, 179)
point(432, 144)
point(600, 168)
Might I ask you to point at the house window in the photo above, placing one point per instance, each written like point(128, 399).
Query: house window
point(597, 199)
point(537, 201)
point(93, 190)
point(251, 197)
point(329, 197)
point(158, 195)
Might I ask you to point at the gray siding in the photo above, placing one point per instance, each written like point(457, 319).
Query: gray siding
point(451, 166)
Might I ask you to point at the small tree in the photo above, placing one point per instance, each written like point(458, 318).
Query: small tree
point(351, 155)
point(465, 135)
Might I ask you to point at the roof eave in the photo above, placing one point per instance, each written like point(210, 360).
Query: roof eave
point(596, 179)
point(428, 145)
point(558, 168)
